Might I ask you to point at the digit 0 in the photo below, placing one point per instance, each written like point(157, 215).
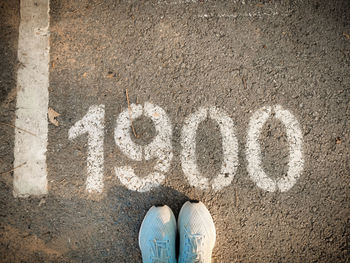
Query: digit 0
point(253, 152)
point(229, 145)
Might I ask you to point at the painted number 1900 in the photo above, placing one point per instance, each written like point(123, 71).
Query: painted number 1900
point(160, 148)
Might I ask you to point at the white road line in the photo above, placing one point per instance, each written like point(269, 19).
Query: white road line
point(243, 15)
point(32, 99)
point(182, 2)
point(253, 151)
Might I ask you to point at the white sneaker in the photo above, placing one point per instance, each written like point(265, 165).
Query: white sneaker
point(197, 233)
point(157, 236)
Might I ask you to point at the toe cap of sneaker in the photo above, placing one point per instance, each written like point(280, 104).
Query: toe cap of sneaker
point(159, 223)
point(196, 218)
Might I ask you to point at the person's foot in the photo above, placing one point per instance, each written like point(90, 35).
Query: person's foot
point(157, 236)
point(197, 233)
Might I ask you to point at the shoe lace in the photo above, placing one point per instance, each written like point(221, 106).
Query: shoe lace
point(159, 251)
point(193, 244)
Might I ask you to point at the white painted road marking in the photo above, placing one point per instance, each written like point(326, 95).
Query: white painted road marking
point(229, 145)
point(30, 176)
point(295, 139)
point(160, 148)
point(122, 132)
point(92, 124)
point(32, 100)
point(253, 151)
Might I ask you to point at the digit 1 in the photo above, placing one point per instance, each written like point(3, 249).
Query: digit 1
point(92, 124)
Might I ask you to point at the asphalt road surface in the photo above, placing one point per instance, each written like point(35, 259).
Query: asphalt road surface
point(243, 105)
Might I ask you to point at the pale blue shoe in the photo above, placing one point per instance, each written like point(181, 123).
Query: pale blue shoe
point(197, 233)
point(157, 236)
